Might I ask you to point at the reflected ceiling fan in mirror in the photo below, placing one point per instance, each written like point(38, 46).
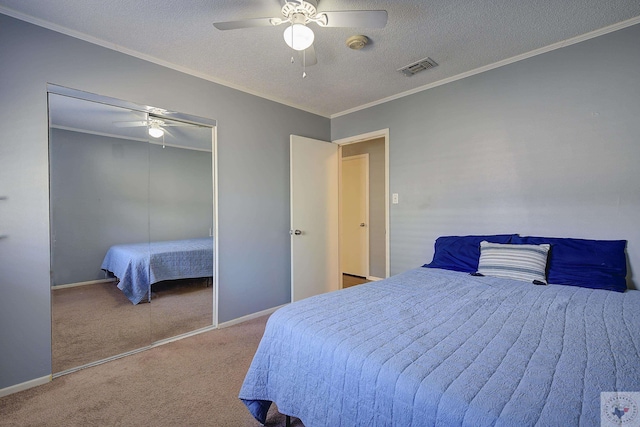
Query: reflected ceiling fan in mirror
point(299, 13)
point(155, 125)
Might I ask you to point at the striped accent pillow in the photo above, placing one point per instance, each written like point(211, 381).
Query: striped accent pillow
point(519, 262)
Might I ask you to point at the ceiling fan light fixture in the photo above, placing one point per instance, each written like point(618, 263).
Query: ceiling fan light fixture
point(298, 36)
point(155, 130)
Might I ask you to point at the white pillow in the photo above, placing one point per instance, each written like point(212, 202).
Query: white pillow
point(519, 262)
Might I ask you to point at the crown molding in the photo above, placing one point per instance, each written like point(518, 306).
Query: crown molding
point(545, 49)
point(97, 41)
point(186, 70)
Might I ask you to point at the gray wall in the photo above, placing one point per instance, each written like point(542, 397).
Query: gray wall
point(253, 159)
point(375, 149)
point(107, 191)
point(545, 146)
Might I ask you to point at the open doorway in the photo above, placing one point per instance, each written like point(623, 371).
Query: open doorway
point(364, 212)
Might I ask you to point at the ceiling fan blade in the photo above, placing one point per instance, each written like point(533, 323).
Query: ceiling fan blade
point(246, 23)
point(354, 18)
point(308, 56)
point(131, 124)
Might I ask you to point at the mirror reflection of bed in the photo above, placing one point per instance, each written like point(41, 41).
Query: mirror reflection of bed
point(114, 186)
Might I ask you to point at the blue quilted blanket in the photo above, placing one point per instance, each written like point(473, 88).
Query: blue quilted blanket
point(432, 347)
point(139, 265)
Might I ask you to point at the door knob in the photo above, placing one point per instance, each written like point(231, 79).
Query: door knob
point(362, 224)
point(296, 232)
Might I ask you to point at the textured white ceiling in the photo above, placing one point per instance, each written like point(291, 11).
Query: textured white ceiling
point(460, 35)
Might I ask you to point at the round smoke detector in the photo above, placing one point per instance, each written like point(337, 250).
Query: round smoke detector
point(357, 42)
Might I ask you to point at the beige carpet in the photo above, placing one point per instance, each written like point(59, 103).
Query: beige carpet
point(191, 382)
point(94, 322)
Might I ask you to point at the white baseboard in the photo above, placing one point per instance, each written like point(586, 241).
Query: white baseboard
point(374, 278)
point(89, 282)
point(24, 386)
point(249, 317)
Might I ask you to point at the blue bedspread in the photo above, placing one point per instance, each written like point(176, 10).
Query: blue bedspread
point(138, 266)
point(435, 347)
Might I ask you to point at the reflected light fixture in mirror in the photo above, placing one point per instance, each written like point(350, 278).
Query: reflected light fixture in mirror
point(155, 130)
point(298, 36)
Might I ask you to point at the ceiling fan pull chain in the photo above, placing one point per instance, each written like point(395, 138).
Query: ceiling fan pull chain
point(304, 64)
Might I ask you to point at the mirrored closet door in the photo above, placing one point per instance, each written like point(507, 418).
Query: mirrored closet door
point(132, 227)
point(181, 230)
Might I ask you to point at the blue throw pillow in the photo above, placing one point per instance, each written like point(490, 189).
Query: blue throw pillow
point(596, 264)
point(461, 253)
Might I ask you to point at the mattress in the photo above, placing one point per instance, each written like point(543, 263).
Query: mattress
point(436, 347)
point(138, 266)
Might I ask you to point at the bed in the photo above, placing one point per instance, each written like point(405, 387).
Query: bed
point(436, 346)
point(138, 266)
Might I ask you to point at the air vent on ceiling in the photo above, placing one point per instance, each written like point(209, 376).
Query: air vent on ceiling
point(416, 67)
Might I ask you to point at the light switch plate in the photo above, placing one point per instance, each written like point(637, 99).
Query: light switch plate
point(394, 198)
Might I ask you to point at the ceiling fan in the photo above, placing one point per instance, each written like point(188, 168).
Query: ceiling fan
point(299, 13)
point(155, 125)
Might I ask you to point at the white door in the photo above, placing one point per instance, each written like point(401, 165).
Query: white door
point(354, 227)
point(314, 217)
